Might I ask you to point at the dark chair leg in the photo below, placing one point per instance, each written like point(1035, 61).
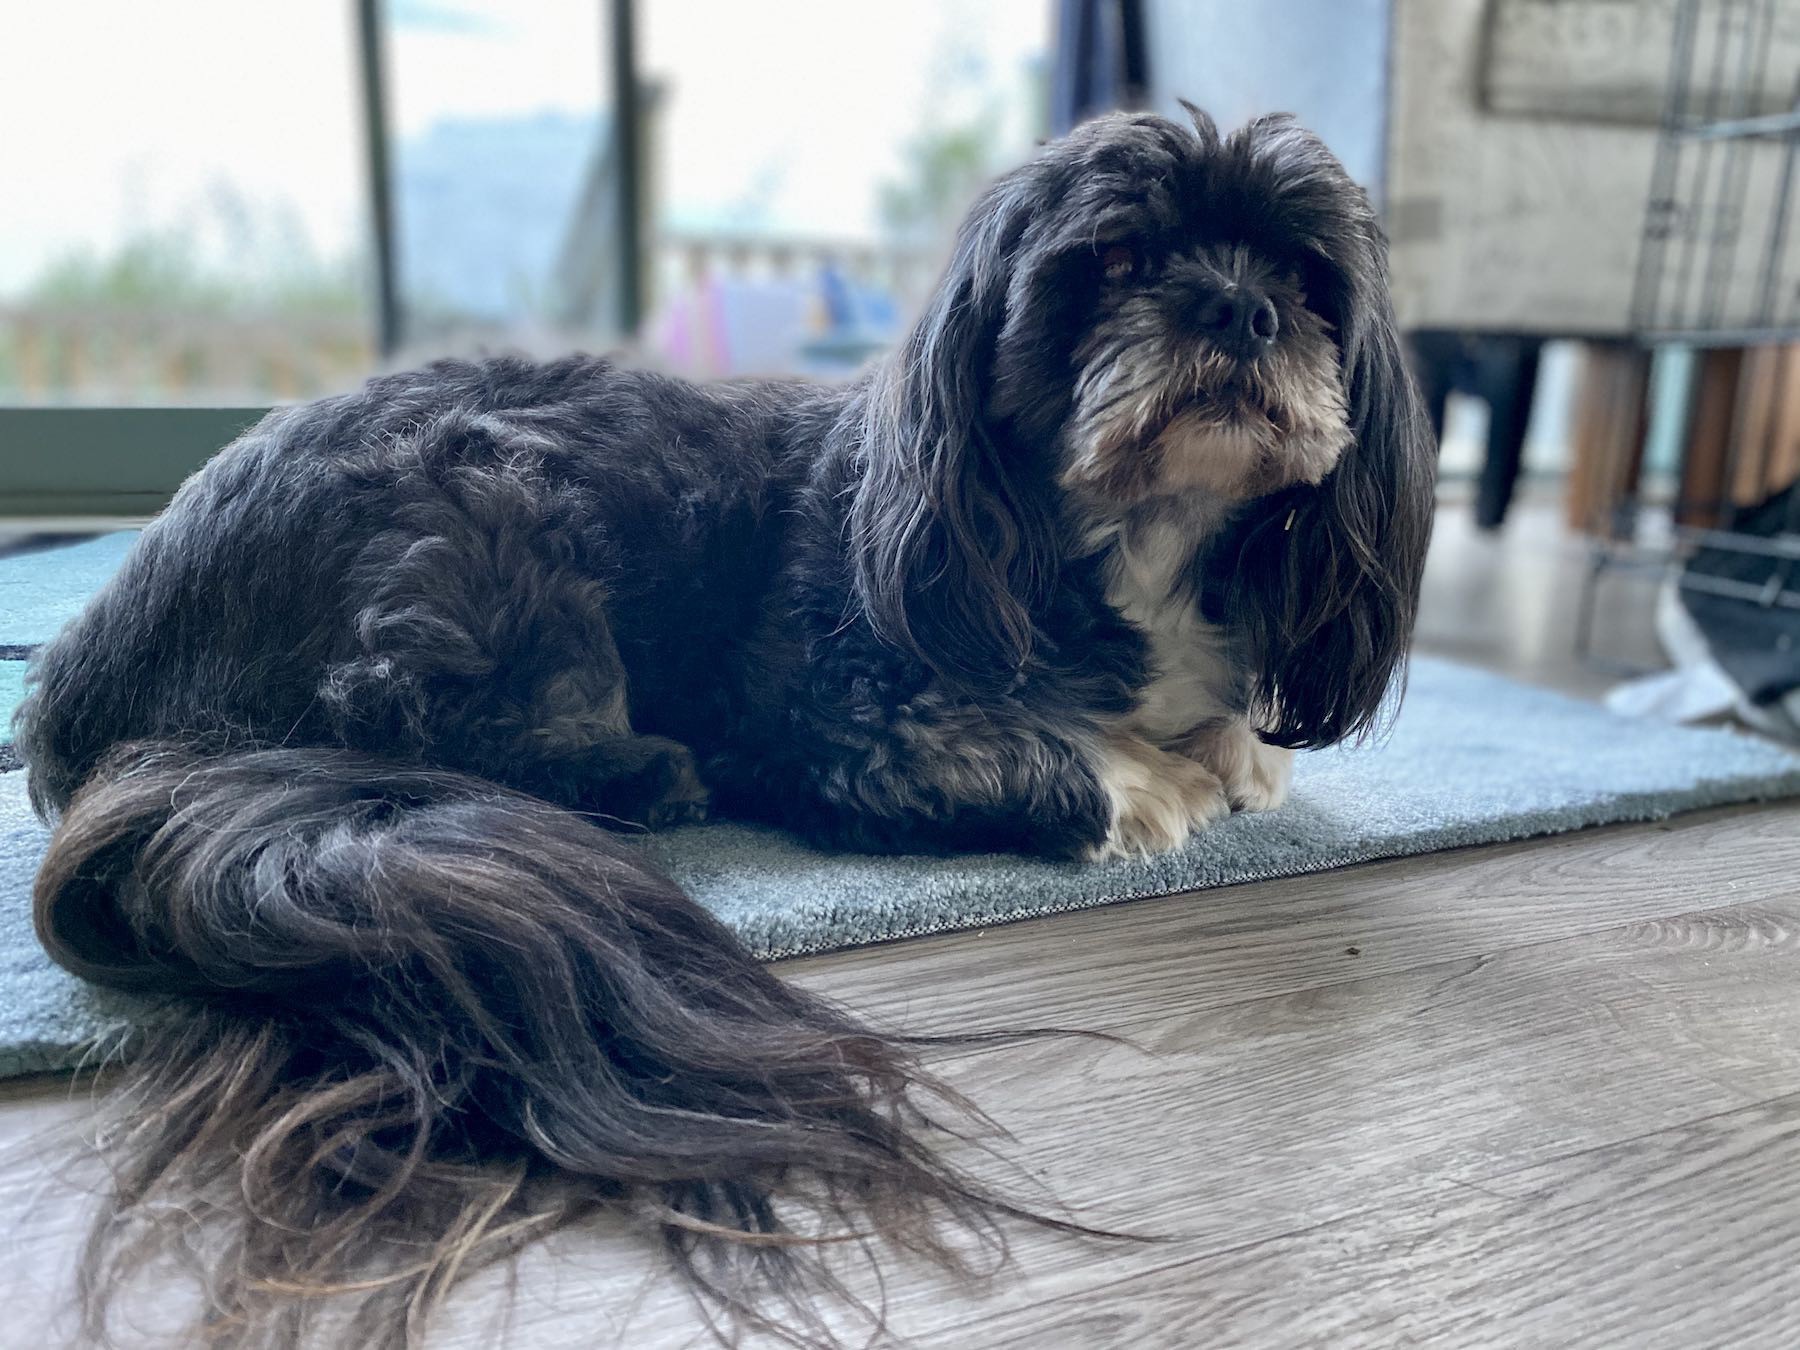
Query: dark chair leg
point(1436, 358)
point(1508, 380)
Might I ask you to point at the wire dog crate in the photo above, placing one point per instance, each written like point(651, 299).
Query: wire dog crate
point(1719, 267)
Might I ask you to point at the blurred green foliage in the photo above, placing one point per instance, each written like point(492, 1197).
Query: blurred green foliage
point(225, 255)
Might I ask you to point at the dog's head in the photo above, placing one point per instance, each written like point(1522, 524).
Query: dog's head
point(1150, 310)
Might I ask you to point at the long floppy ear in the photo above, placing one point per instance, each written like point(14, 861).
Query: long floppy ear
point(1325, 581)
point(951, 549)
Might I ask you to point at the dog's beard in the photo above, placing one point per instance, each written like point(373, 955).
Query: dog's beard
point(1162, 413)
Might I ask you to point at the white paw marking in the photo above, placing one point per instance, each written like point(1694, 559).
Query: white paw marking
point(1158, 798)
point(1256, 775)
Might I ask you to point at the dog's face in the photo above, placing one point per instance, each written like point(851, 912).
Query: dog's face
point(1203, 371)
point(1152, 310)
point(1175, 295)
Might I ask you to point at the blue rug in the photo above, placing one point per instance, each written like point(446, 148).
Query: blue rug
point(1472, 759)
point(39, 592)
point(42, 590)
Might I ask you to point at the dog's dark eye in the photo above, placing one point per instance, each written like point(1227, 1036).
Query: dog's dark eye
point(1118, 262)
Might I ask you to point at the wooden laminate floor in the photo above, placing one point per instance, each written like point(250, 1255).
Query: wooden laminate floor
point(1538, 1094)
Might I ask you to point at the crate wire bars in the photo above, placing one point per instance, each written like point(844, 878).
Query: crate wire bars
point(1724, 178)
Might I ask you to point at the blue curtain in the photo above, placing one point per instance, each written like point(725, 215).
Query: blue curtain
point(1100, 59)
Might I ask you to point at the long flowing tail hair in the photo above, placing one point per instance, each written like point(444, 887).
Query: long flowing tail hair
point(435, 1019)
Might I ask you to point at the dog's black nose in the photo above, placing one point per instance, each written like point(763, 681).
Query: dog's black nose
point(1241, 320)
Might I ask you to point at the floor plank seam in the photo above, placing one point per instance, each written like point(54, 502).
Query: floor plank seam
point(1645, 1135)
point(1127, 1030)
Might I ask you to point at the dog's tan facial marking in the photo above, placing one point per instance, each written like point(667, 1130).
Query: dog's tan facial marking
point(1160, 411)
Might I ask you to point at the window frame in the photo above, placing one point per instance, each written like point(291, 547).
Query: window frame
point(101, 460)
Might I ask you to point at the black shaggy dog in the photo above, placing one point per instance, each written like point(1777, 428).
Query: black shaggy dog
point(1139, 506)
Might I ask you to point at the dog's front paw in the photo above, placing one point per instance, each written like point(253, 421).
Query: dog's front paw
point(1255, 774)
point(1158, 799)
point(677, 796)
